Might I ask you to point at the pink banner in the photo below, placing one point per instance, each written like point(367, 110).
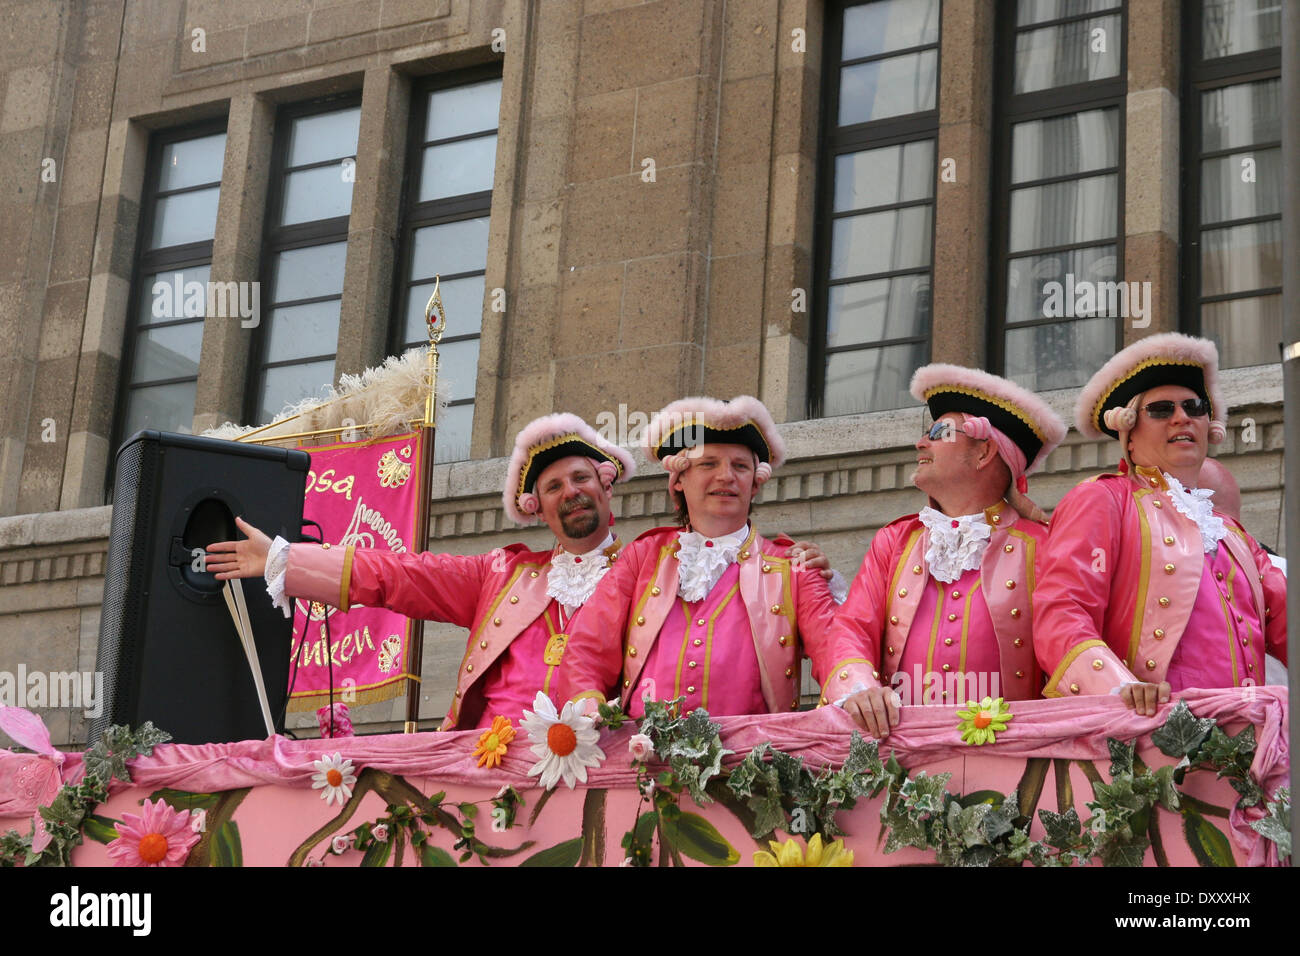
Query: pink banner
point(364, 494)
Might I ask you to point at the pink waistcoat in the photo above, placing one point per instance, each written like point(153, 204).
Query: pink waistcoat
point(612, 636)
point(1121, 582)
point(881, 618)
point(498, 596)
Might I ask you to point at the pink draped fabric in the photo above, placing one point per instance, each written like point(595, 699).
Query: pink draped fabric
point(1074, 728)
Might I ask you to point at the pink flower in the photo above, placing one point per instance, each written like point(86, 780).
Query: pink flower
point(158, 836)
point(640, 747)
point(380, 832)
point(341, 843)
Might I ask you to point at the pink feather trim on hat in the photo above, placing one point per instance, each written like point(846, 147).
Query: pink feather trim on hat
point(541, 431)
point(1173, 348)
point(1044, 421)
point(715, 413)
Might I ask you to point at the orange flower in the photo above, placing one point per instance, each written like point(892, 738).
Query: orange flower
point(492, 744)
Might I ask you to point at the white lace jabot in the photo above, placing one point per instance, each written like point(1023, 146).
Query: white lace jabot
point(702, 561)
point(1195, 504)
point(573, 577)
point(956, 544)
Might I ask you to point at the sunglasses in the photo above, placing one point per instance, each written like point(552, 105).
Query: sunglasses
point(1194, 407)
point(940, 430)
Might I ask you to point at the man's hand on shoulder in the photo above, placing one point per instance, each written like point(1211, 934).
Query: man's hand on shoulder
point(805, 555)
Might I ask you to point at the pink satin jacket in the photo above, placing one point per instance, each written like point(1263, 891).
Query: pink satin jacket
point(873, 627)
point(498, 596)
point(1120, 578)
point(610, 638)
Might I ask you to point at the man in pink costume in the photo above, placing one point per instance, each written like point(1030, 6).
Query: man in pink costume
point(942, 607)
point(710, 611)
point(516, 602)
point(1146, 587)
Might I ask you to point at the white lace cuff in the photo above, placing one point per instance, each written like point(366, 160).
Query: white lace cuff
point(839, 587)
point(857, 688)
point(277, 563)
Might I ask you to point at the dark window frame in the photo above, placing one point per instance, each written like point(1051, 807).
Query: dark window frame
point(1011, 109)
point(145, 262)
point(1201, 76)
point(434, 212)
point(835, 141)
point(277, 239)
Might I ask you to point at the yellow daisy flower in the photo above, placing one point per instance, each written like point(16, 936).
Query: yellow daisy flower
point(819, 854)
point(492, 744)
point(984, 721)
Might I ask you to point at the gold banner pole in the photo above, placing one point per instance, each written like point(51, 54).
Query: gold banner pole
point(435, 320)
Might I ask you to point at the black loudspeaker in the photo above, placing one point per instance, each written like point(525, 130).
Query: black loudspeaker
point(168, 649)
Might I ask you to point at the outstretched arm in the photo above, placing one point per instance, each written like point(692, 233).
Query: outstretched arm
point(239, 559)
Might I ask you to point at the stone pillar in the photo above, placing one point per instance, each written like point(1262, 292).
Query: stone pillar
point(961, 207)
point(236, 246)
point(1151, 156)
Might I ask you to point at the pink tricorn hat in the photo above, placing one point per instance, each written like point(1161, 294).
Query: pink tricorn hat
point(546, 440)
point(1168, 358)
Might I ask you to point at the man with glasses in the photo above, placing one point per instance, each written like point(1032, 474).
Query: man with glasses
point(1146, 587)
point(941, 609)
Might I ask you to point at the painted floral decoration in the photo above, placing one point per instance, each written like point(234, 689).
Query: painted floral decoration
point(790, 853)
point(158, 836)
point(493, 742)
point(982, 722)
point(564, 742)
point(334, 778)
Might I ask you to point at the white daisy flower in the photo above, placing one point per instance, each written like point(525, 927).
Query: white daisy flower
point(565, 742)
point(335, 775)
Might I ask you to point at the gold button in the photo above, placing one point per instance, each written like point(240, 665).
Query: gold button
point(1155, 482)
point(948, 641)
point(1008, 548)
point(1011, 585)
point(789, 672)
point(691, 689)
point(631, 652)
point(916, 569)
point(944, 695)
point(627, 684)
point(766, 568)
point(1169, 539)
point(496, 621)
point(781, 640)
point(532, 574)
point(1151, 665)
point(514, 599)
point(691, 664)
point(902, 592)
point(1074, 688)
point(1015, 612)
point(890, 650)
point(952, 617)
point(697, 642)
point(482, 644)
point(1245, 642)
point(457, 693)
point(640, 620)
point(1159, 633)
point(469, 668)
point(1218, 575)
point(875, 675)
point(893, 619)
point(1228, 598)
point(326, 545)
point(744, 555)
point(1238, 618)
point(947, 667)
point(844, 675)
point(1164, 602)
point(1020, 673)
point(1097, 664)
point(655, 591)
point(794, 704)
point(1157, 504)
point(700, 622)
point(997, 518)
point(1019, 642)
point(776, 609)
point(956, 595)
point(1169, 569)
point(1251, 665)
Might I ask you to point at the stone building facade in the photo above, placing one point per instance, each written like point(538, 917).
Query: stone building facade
point(796, 199)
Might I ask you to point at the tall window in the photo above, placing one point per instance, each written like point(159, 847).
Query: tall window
point(1232, 202)
point(168, 301)
point(876, 204)
point(313, 168)
point(445, 233)
point(1059, 190)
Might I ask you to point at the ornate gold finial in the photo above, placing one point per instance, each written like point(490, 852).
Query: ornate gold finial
point(435, 317)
